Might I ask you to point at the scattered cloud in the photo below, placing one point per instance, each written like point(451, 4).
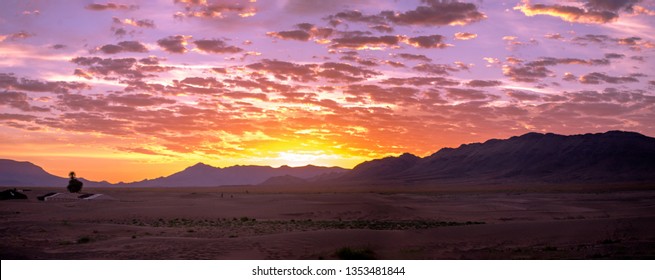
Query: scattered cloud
point(418, 57)
point(594, 11)
point(16, 36)
point(437, 13)
point(597, 78)
point(145, 23)
point(432, 13)
point(528, 73)
point(428, 42)
point(174, 44)
point(216, 9)
point(366, 42)
point(357, 78)
point(465, 36)
point(216, 46)
point(124, 46)
point(110, 6)
point(436, 69)
point(483, 83)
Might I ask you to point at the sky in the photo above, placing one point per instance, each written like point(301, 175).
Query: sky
point(128, 90)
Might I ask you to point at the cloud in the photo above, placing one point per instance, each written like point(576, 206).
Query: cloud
point(421, 81)
point(428, 42)
point(466, 94)
point(598, 12)
point(554, 36)
point(433, 13)
point(261, 83)
point(391, 95)
point(299, 35)
point(305, 32)
point(550, 61)
point(436, 69)
point(385, 28)
point(342, 72)
point(145, 23)
point(110, 6)
point(483, 83)
point(216, 46)
point(569, 77)
point(438, 13)
point(138, 100)
point(634, 43)
point(90, 122)
point(283, 70)
point(246, 95)
point(465, 36)
point(81, 73)
point(534, 71)
point(16, 36)
point(526, 73)
point(198, 85)
point(319, 6)
point(356, 16)
point(125, 46)
point(9, 81)
point(352, 56)
point(639, 10)
point(393, 63)
point(418, 57)
point(523, 96)
point(591, 38)
point(17, 117)
point(174, 44)
point(204, 9)
point(614, 56)
point(124, 67)
point(513, 42)
point(366, 42)
point(20, 101)
point(611, 5)
point(597, 78)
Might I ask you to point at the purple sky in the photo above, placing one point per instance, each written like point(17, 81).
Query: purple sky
point(164, 84)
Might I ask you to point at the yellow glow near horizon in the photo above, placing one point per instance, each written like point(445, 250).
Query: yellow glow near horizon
point(302, 158)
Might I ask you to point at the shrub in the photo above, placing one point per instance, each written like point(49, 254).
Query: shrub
point(83, 239)
point(346, 253)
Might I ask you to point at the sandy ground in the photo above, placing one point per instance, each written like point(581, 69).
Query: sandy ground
point(209, 223)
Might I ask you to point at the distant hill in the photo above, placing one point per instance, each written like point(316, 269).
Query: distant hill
point(614, 156)
point(202, 175)
point(26, 174)
point(285, 180)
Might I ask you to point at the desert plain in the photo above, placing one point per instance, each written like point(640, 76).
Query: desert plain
point(257, 222)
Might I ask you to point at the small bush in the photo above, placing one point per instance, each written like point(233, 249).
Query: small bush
point(83, 239)
point(346, 253)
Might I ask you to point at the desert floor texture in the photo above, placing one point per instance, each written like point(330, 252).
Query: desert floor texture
point(238, 223)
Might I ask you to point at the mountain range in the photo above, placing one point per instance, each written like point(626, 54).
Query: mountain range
point(612, 157)
point(16, 173)
point(27, 174)
point(202, 175)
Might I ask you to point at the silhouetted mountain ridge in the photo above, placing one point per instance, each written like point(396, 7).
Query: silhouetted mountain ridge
point(203, 175)
point(614, 156)
point(27, 174)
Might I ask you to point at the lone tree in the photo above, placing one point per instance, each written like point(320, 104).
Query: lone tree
point(74, 185)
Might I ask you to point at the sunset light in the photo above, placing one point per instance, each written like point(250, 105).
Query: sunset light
point(293, 137)
point(157, 86)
